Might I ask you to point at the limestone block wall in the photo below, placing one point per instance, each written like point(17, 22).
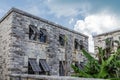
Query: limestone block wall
point(5, 43)
point(16, 47)
point(52, 51)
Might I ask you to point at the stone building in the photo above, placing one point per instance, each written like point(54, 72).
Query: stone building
point(32, 45)
point(100, 40)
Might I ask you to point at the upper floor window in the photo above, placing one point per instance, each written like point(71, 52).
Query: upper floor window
point(81, 44)
point(43, 35)
point(76, 43)
point(62, 39)
point(109, 42)
point(118, 38)
point(33, 32)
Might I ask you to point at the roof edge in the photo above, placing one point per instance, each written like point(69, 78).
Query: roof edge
point(106, 33)
point(6, 14)
point(13, 9)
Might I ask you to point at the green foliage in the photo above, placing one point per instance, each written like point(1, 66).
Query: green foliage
point(107, 66)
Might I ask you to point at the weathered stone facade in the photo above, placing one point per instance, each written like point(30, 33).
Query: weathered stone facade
point(99, 40)
point(16, 47)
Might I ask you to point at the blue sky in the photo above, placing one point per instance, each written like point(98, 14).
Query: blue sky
point(86, 16)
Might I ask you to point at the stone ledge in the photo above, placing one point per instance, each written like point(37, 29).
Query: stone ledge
point(45, 77)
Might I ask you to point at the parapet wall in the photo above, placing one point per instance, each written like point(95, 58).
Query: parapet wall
point(44, 77)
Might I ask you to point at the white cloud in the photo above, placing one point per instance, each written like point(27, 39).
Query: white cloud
point(97, 23)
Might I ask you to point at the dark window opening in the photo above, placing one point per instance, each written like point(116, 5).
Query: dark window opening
point(44, 66)
point(76, 44)
point(62, 39)
point(81, 45)
point(33, 67)
point(80, 66)
point(61, 68)
point(43, 35)
point(33, 32)
point(109, 42)
point(119, 38)
point(30, 70)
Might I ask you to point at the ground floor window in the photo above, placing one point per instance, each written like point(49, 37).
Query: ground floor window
point(38, 68)
point(62, 68)
point(44, 66)
point(79, 65)
point(33, 67)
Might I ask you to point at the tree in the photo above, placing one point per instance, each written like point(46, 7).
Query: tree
point(107, 65)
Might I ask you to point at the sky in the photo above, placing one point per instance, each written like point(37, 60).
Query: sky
point(90, 17)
